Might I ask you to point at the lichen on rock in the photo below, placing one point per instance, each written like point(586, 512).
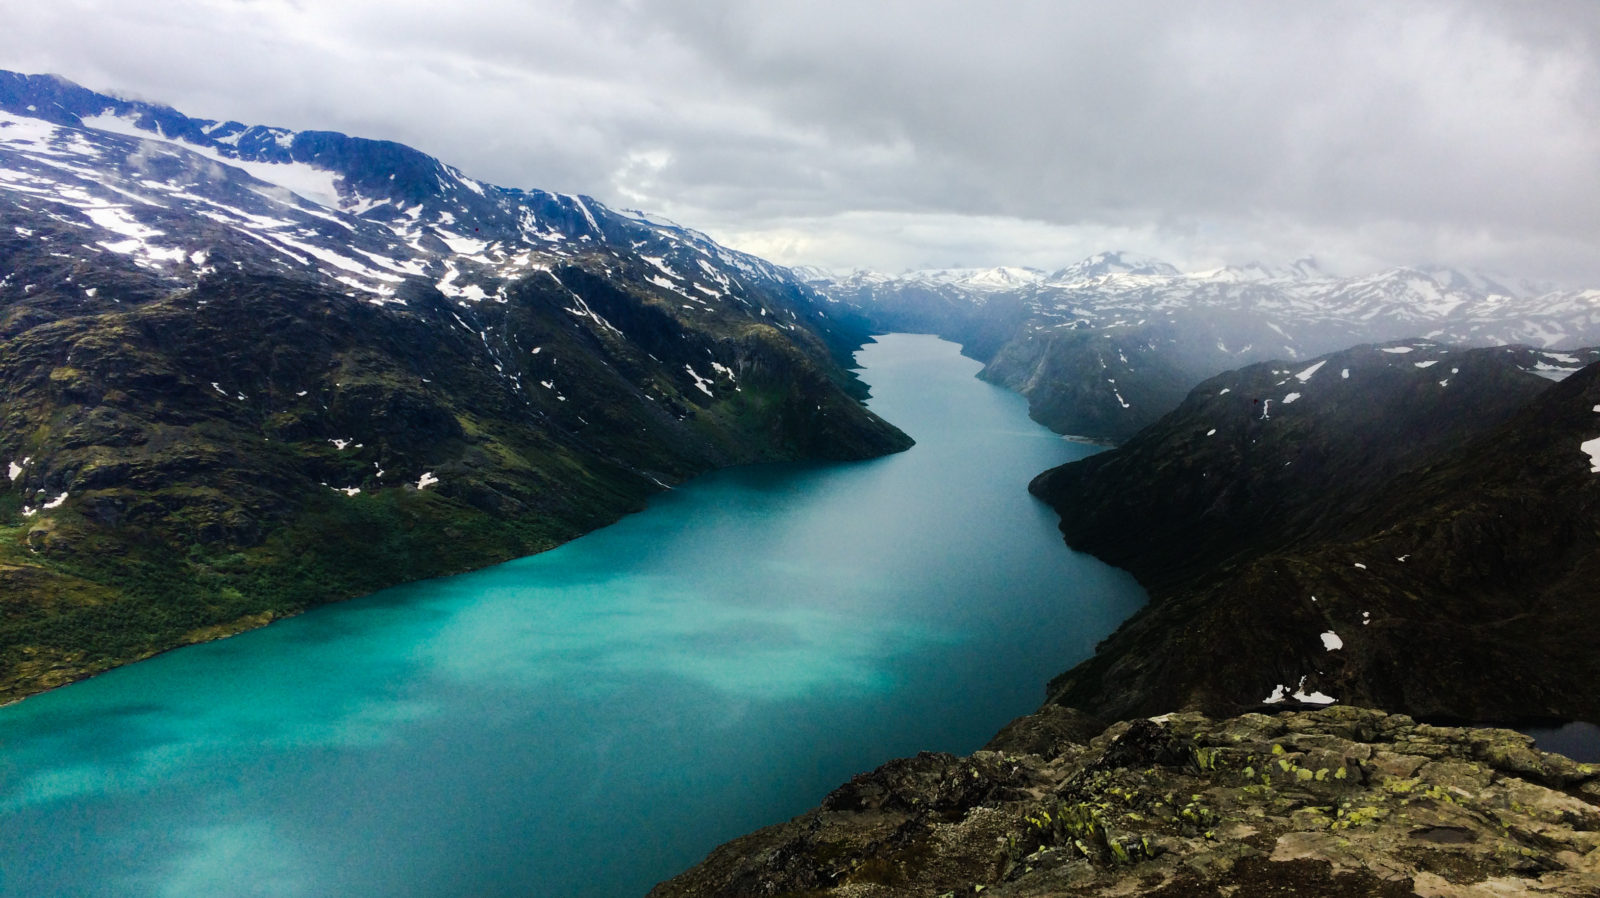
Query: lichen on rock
point(1337, 801)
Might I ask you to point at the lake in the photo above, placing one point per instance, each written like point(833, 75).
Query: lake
point(591, 720)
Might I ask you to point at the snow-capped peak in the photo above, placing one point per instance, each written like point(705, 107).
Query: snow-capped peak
point(1113, 263)
point(984, 280)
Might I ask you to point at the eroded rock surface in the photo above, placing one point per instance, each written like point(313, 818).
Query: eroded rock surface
point(1337, 801)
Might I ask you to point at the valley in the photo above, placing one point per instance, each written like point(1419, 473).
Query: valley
point(593, 718)
point(1104, 347)
point(768, 530)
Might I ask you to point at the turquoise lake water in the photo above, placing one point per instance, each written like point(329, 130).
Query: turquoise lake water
point(591, 720)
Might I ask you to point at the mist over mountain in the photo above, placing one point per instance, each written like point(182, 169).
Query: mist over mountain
point(1104, 347)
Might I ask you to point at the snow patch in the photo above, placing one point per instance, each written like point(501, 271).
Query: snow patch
point(1309, 372)
point(315, 184)
point(1591, 448)
point(465, 246)
point(1281, 692)
point(1345, 374)
point(426, 480)
point(1290, 398)
point(699, 382)
point(1211, 432)
point(1331, 641)
point(1426, 364)
point(1312, 698)
point(1397, 350)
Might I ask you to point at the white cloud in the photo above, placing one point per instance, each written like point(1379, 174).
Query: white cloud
point(937, 133)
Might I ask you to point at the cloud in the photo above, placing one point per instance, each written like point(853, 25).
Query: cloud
point(942, 132)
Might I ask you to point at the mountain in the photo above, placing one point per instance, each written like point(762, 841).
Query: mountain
point(1337, 802)
point(1111, 265)
point(1406, 525)
point(1106, 346)
point(244, 370)
point(1395, 545)
point(1255, 458)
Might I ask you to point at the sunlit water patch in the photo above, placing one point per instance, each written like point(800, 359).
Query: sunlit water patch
point(593, 719)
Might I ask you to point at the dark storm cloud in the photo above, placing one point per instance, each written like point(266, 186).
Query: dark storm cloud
point(901, 133)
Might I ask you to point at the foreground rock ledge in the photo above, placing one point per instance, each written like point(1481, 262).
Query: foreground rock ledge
point(1338, 801)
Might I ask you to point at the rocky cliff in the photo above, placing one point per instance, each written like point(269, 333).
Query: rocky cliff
point(1339, 802)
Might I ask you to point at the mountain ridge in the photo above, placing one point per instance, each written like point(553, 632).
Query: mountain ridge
point(223, 401)
point(1450, 585)
point(1081, 342)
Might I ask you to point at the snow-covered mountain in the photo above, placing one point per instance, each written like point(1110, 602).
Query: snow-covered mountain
point(1062, 338)
point(179, 196)
point(1303, 310)
point(244, 370)
point(1107, 265)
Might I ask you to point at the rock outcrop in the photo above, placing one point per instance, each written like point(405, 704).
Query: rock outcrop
point(1340, 801)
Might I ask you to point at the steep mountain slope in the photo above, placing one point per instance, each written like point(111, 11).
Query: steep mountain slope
point(1051, 336)
point(1460, 587)
point(1101, 384)
point(1256, 458)
point(244, 370)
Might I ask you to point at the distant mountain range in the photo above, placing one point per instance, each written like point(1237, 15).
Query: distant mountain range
point(1106, 346)
point(244, 370)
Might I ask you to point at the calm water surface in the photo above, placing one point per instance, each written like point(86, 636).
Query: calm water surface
point(591, 720)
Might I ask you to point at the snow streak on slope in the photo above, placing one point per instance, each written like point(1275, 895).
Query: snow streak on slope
point(364, 214)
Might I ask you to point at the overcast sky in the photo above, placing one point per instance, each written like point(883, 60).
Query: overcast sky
point(888, 135)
